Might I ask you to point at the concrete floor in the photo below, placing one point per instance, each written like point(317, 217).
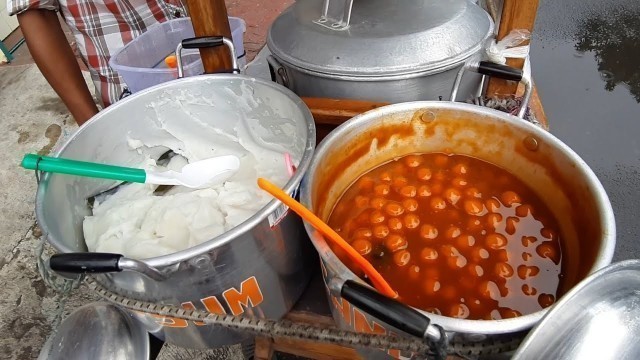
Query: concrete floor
point(34, 120)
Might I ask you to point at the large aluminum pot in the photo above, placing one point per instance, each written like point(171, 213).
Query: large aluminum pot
point(378, 50)
point(558, 175)
point(256, 269)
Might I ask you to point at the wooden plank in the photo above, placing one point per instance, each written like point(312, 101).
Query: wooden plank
point(310, 318)
point(309, 349)
point(264, 349)
point(329, 113)
point(337, 111)
point(516, 14)
point(209, 18)
point(316, 351)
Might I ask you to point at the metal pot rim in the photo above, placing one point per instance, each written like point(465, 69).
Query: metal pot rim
point(485, 327)
point(386, 76)
point(381, 74)
point(226, 237)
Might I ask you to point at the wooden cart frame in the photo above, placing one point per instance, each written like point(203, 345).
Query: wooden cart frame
point(209, 17)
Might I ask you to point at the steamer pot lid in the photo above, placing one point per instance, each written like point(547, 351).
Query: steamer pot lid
point(384, 37)
point(598, 318)
point(98, 331)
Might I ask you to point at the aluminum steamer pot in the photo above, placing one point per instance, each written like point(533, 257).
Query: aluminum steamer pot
point(256, 269)
point(378, 50)
point(557, 174)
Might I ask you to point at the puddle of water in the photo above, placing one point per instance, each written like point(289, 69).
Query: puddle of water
point(585, 64)
point(614, 41)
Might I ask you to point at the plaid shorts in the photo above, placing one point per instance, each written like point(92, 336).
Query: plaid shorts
point(102, 27)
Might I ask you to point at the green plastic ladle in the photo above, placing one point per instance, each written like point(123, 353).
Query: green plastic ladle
point(199, 174)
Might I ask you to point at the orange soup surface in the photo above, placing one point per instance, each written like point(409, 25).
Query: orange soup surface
point(454, 235)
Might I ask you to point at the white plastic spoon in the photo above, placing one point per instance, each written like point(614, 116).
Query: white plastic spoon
point(196, 175)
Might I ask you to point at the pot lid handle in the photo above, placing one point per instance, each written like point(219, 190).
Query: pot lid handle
point(336, 14)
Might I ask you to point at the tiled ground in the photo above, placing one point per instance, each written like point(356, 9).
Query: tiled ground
point(258, 15)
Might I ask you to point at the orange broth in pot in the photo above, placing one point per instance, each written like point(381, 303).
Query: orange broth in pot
point(454, 235)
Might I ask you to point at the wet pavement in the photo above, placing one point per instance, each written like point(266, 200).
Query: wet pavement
point(586, 64)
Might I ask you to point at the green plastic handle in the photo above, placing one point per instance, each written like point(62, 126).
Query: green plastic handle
point(82, 168)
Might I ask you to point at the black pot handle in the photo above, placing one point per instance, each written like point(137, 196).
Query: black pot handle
point(386, 309)
point(82, 263)
point(100, 263)
point(500, 71)
point(202, 42)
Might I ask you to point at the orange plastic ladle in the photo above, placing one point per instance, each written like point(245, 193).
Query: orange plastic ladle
point(378, 281)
